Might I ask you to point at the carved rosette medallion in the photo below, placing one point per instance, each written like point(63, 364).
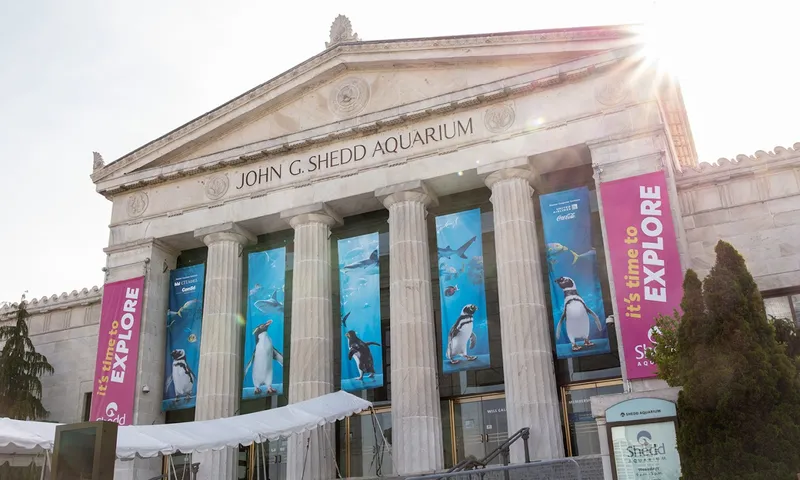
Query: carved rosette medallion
point(137, 204)
point(349, 97)
point(499, 118)
point(611, 92)
point(217, 186)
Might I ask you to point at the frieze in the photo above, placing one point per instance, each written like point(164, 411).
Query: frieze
point(217, 186)
point(137, 204)
point(612, 92)
point(348, 156)
point(506, 93)
point(499, 118)
point(566, 35)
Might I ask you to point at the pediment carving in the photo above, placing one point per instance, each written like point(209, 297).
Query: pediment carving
point(349, 87)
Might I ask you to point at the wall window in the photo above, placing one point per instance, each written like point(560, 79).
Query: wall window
point(87, 406)
point(783, 306)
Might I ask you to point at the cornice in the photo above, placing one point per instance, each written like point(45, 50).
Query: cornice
point(86, 296)
point(726, 168)
point(481, 40)
point(280, 146)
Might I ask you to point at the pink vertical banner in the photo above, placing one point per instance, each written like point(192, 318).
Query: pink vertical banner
point(645, 263)
point(118, 351)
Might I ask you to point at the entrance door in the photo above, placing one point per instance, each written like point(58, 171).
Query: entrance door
point(480, 426)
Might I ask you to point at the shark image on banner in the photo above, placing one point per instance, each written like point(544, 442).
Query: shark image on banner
point(184, 328)
point(462, 292)
point(360, 295)
point(264, 330)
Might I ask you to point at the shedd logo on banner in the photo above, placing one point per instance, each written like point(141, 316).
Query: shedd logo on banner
point(647, 448)
point(645, 263)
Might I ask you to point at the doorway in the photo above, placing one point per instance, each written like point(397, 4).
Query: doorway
point(582, 437)
point(479, 426)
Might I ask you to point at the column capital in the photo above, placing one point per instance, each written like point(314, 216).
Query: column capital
point(414, 191)
point(519, 167)
point(225, 231)
point(315, 213)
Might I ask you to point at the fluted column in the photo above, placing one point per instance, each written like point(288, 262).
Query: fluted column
point(311, 455)
point(416, 412)
point(531, 394)
point(218, 382)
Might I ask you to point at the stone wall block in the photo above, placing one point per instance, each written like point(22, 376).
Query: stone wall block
point(711, 218)
point(780, 205)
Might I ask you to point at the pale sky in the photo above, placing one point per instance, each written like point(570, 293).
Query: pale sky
point(82, 75)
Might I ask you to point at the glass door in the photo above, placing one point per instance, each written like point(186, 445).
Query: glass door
point(269, 460)
point(582, 436)
point(368, 444)
point(480, 426)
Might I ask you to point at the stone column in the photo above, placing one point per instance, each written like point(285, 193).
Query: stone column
point(153, 259)
point(218, 376)
point(311, 455)
point(602, 433)
point(416, 412)
point(531, 394)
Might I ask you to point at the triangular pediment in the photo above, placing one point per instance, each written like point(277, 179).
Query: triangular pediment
point(362, 82)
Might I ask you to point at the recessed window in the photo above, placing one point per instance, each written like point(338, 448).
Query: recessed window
point(784, 306)
point(87, 406)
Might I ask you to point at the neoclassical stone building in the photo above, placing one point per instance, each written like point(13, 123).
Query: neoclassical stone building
point(384, 136)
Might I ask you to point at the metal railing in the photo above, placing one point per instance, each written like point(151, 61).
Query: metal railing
point(472, 463)
point(536, 470)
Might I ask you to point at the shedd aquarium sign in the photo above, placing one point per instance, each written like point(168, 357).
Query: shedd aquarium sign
point(642, 434)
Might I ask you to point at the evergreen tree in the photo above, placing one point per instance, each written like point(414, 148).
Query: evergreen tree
point(739, 410)
point(20, 370)
point(667, 350)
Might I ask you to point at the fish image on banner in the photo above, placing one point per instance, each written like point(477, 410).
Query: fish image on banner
point(184, 328)
point(462, 292)
point(360, 302)
point(263, 341)
point(575, 291)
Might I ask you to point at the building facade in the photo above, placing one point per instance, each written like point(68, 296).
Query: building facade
point(387, 138)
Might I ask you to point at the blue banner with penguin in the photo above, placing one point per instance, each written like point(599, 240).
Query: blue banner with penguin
point(184, 328)
point(575, 292)
point(263, 341)
point(462, 292)
point(360, 304)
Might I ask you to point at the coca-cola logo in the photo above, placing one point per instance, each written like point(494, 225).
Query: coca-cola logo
point(568, 216)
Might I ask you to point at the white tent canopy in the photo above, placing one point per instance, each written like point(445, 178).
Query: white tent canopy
point(30, 438)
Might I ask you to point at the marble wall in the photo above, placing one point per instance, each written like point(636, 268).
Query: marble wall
point(753, 202)
point(64, 329)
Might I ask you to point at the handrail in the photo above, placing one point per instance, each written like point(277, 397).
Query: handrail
point(502, 468)
point(472, 463)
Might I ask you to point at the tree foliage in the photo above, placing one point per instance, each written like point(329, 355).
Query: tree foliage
point(739, 410)
point(20, 370)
